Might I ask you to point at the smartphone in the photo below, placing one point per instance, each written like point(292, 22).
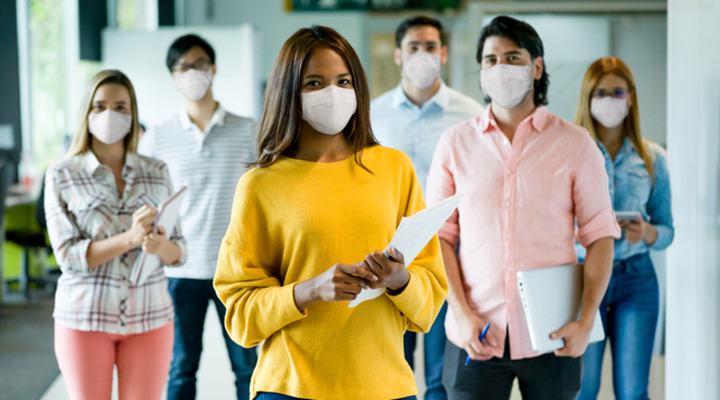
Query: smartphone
point(627, 215)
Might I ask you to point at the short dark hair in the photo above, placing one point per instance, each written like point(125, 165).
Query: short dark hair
point(185, 43)
point(419, 21)
point(525, 37)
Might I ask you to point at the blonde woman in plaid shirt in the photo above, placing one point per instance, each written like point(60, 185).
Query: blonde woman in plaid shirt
point(100, 204)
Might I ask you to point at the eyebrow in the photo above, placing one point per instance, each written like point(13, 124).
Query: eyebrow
point(323, 77)
point(509, 53)
point(426, 42)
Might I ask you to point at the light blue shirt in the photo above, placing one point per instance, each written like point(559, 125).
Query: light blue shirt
point(400, 124)
point(632, 190)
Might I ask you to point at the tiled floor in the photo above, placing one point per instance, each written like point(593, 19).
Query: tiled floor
point(215, 379)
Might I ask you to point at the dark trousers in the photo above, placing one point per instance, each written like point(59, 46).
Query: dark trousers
point(434, 349)
point(191, 297)
point(546, 377)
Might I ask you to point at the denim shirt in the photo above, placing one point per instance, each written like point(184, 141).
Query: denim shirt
point(632, 190)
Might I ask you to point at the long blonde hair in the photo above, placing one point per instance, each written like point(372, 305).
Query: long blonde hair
point(631, 127)
point(81, 140)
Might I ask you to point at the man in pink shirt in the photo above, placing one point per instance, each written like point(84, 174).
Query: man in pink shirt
point(527, 176)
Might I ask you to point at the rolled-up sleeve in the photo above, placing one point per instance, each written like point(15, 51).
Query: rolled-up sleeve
point(659, 206)
point(68, 242)
point(591, 196)
point(441, 185)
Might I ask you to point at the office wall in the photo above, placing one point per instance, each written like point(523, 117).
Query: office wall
point(236, 84)
point(10, 73)
point(693, 104)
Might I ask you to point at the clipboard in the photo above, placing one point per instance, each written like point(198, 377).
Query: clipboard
point(412, 235)
point(167, 217)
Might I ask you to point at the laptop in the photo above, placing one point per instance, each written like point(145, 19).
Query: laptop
point(551, 299)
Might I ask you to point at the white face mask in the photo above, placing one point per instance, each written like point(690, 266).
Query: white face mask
point(193, 83)
point(109, 126)
point(328, 110)
point(608, 111)
point(421, 69)
point(507, 85)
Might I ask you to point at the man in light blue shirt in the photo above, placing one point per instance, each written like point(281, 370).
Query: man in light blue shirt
point(411, 118)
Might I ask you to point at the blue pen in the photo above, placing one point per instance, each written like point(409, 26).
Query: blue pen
point(482, 336)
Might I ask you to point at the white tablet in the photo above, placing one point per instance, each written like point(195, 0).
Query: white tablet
point(551, 299)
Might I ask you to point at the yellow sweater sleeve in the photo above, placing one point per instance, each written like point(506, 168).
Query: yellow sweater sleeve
point(427, 289)
point(257, 303)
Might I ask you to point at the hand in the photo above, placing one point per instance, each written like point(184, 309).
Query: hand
point(142, 220)
point(470, 326)
point(576, 336)
point(634, 230)
point(391, 273)
point(153, 242)
point(341, 282)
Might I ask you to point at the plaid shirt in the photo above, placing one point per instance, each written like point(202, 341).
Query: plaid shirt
point(82, 205)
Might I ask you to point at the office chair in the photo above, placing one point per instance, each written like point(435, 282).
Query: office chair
point(30, 240)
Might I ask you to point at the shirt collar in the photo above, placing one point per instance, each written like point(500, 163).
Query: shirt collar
point(92, 163)
point(441, 98)
point(627, 146)
point(218, 119)
point(537, 118)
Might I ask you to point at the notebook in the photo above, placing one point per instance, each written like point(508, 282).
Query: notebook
point(551, 299)
point(167, 217)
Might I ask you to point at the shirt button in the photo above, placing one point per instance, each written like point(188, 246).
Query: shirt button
point(507, 236)
point(509, 268)
point(507, 203)
point(509, 172)
point(507, 301)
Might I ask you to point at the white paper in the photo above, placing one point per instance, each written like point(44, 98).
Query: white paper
point(167, 217)
point(412, 235)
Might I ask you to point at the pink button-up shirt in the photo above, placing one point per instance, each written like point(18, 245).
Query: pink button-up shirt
point(519, 210)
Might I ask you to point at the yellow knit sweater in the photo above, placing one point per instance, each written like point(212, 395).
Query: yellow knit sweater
point(292, 221)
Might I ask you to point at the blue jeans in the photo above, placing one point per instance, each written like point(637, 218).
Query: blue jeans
point(278, 396)
point(191, 297)
point(629, 313)
point(434, 347)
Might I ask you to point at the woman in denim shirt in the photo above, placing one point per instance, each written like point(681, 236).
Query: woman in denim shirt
point(639, 181)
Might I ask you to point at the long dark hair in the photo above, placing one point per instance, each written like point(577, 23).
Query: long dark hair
point(280, 123)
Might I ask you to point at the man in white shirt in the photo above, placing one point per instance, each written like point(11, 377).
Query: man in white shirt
point(204, 147)
point(411, 118)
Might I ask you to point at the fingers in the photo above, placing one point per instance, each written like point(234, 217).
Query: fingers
point(375, 267)
point(561, 333)
point(357, 270)
point(384, 262)
point(161, 230)
point(482, 355)
point(144, 211)
point(490, 340)
point(354, 280)
point(396, 255)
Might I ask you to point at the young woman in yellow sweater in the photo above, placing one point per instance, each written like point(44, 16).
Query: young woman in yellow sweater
point(310, 221)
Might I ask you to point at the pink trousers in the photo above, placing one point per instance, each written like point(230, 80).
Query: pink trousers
point(86, 361)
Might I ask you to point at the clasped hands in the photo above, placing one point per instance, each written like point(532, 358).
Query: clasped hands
point(344, 282)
